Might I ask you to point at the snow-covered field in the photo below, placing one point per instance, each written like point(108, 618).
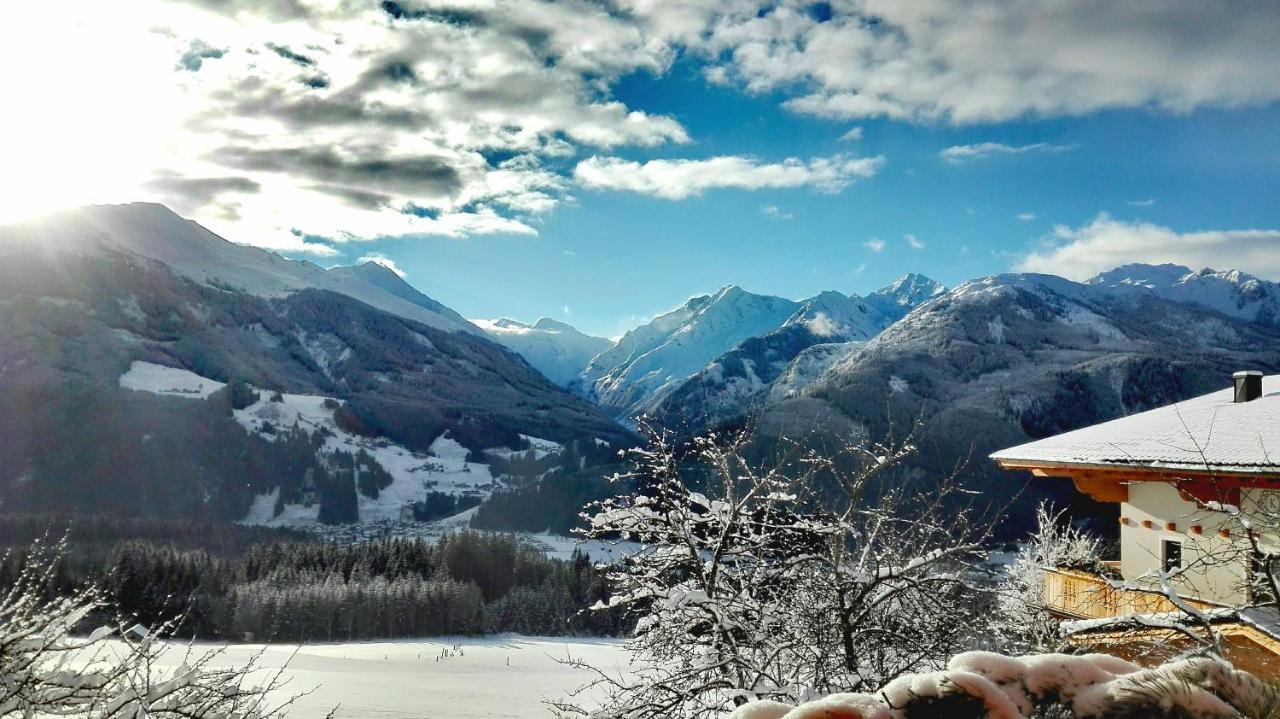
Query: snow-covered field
point(448, 678)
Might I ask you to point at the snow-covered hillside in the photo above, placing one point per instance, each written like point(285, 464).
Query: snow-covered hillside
point(556, 349)
point(443, 468)
point(92, 296)
point(633, 375)
point(1231, 292)
point(155, 232)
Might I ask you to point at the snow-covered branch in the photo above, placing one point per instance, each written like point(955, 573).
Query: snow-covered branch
point(47, 669)
point(779, 580)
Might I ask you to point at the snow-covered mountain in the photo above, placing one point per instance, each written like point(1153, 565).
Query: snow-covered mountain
point(556, 349)
point(909, 292)
point(155, 232)
point(740, 379)
point(655, 358)
point(244, 386)
point(355, 281)
point(1231, 292)
point(1002, 359)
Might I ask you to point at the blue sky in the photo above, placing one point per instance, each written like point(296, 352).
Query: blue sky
point(600, 161)
point(614, 259)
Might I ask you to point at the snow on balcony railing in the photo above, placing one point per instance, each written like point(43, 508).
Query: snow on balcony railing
point(1080, 595)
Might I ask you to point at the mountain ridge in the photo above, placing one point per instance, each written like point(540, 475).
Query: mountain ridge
point(730, 384)
point(154, 231)
point(556, 349)
point(354, 412)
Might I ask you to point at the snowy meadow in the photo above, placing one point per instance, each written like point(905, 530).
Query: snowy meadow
point(498, 677)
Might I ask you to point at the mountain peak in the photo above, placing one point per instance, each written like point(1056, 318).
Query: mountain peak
point(556, 349)
point(506, 323)
point(1139, 274)
point(553, 325)
point(912, 285)
point(729, 292)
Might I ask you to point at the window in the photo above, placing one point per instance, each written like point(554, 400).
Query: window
point(1261, 579)
point(1172, 555)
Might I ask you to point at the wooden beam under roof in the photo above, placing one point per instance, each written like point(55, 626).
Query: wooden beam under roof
point(1110, 483)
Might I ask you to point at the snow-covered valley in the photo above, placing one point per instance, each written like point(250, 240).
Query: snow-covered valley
point(499, 677)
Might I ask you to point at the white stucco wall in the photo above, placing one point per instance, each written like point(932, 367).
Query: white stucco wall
point(1218, 568)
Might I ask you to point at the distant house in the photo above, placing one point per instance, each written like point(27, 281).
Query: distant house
point(1198, 483)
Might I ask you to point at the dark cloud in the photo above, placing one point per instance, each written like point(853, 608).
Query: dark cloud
point(276, 9)
point(400, 72)
point(451, 16)
point(189, 194)
point(420, 211)
point(400, 12)
point(316, 82)
point(196, 54)
point(299, 113)
point(354, 196)
point(288, 54)
point(310, 239)
point(412, 175)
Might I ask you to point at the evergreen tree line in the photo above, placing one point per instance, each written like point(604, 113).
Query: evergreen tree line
point(466, 583)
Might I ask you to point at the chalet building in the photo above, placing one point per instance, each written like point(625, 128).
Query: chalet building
point(1198, 484)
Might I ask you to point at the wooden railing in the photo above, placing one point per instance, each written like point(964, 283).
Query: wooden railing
point(1080, 595)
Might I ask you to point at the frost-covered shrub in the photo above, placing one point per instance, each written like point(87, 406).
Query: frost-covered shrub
point(781, 581)
point(1022, 622)
point(49, 668)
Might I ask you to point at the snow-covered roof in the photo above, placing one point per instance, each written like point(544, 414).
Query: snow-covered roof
point(1210, 433)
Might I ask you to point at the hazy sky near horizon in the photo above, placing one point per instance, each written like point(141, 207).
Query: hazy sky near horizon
point(599, 162)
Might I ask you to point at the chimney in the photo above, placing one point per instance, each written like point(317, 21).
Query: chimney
point(1248, 385)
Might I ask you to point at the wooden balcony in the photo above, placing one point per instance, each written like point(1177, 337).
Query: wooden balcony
point(1079, 595)
point(1072, 594)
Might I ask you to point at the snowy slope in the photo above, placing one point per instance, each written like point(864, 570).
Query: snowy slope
point(155, 232)
point(632, 376)
point(443, 468)
point(381, 277)
point(838, 318)
point(556, 349)
point(1231, 292)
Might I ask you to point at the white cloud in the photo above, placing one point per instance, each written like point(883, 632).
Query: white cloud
point(862, 267)
point(678, 179)
point(383, 260)
point(991, 60)
point(332, 118)
point(567, 310)
point(913, 242)
point(852, 135)
point(772, 211)
point(874, 244)
point(1104, 243)
point(1147, 202)
point(1026, 216)
point(957, 154)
